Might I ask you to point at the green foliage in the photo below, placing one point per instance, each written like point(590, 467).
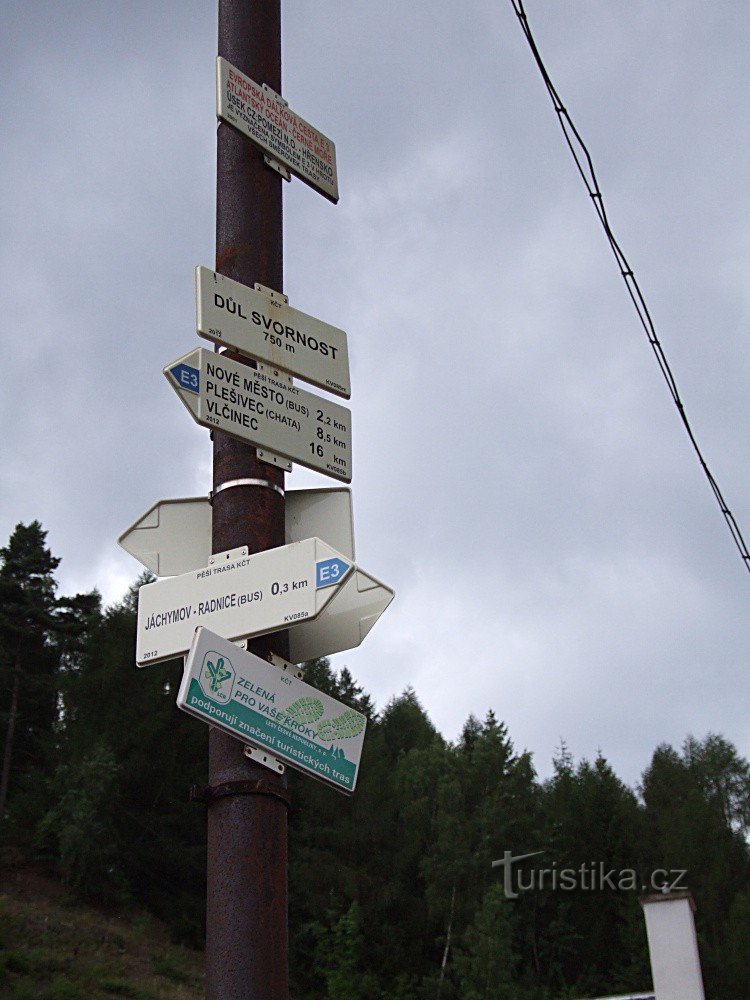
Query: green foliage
point(39, 635)
point(61, 989)
point(392, 893)
point(27, 585)
point(57, 949)
point(339, 956)
point(736, 951)
point(13, 961)
point(696, 819)
point(80, 828)
point(164, 966)
point(485, 962)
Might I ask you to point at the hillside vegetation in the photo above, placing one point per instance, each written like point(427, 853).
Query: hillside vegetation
point(392, 892)
point(55, 949)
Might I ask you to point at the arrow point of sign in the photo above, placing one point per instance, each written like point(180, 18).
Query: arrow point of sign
point(365, 624)
point(186, 377)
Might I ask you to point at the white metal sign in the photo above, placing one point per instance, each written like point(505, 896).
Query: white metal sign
point(264, 117)
point(238, 598)
point(265, 411)
point(259, 704)
point(174, 536)
point(343, 623)
point(268, 329)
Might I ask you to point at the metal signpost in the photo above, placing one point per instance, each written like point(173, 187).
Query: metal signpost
point(260, 114)
point(254, 701)
point(306, 597)
point(261, 324)
point(265, 411)
point(238, 596)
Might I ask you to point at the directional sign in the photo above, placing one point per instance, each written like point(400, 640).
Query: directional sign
point(343, 623)
point(257, 703)
point(325, 513)
point(264, 117)
point(269, 330)
point(238, 598)
point(265, 411)
point(174, 536)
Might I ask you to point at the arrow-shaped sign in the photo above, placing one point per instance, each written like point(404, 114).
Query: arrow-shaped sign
point(343, 623)
point(174, 536)
point(265, 411)
point(238, 598)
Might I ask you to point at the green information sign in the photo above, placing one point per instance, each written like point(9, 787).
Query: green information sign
point(258, 703)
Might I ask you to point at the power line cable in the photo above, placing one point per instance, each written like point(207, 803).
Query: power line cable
point(585, 166)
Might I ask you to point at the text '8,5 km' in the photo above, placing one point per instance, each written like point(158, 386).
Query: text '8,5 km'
point(265, 411)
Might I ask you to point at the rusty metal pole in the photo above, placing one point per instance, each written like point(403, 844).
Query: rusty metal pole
point(246, 899)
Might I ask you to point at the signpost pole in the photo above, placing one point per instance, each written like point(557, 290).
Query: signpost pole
point(246, 899)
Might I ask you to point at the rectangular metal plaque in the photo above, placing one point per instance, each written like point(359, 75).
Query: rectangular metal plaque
point(239, 598)
point(257, 703)
point(262, 116)
point(265, 411)
point(228, 312)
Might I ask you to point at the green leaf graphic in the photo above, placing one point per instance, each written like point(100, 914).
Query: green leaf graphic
point(217, 674)
point(326, 731)
point(344, 726)
point(349, 723)
point(305, 710)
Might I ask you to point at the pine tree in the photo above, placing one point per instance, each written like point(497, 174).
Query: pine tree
point(696, 818)
point(592, 828)
point(114, 712)
point(37, 632)
point(485, 961)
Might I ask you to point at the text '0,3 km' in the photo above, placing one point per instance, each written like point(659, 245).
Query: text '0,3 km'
point(245, 596)
point(264, 411)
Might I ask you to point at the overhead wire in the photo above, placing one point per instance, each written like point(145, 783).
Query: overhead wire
point(585, 166)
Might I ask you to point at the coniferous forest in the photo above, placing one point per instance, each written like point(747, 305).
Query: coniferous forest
point(392, 893)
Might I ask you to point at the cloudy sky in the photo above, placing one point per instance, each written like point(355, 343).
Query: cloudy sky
point(521, 477)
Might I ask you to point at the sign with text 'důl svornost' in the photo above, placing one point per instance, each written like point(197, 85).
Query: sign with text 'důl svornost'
point(238, 598)
point(269, 122)
point(256, 702)
point(267, 328)
point(265, 411)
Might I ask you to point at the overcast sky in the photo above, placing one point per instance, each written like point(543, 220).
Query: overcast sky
point(521, 476)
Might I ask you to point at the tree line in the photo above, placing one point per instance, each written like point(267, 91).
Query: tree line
point(392, 892)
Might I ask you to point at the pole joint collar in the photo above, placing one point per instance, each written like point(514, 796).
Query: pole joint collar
point(231, 483)
point(208, 794)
